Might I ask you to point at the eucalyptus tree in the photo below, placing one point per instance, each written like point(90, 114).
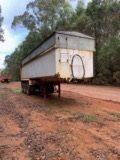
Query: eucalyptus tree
point(105, 16)
point(45, 16)
point(80, 20)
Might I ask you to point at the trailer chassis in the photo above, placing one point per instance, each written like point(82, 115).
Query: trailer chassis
point(44, 86)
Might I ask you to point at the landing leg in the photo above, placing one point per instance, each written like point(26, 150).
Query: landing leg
point(44, 91)
point(59, 90)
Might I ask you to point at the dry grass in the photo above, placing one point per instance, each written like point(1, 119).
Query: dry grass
point(116, 114)
point(86, 118)
point(18, 90)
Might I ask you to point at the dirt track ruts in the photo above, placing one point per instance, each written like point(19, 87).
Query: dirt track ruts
point(33, 129)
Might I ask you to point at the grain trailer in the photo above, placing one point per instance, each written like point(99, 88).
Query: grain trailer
point(63, 56)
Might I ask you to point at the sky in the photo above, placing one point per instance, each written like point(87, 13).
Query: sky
point(13, 37)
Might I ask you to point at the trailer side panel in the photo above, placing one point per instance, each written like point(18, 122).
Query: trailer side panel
point(42, 66)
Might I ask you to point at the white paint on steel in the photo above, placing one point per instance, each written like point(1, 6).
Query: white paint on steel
point(42, 66)
point(50, 64)
point(65, 68)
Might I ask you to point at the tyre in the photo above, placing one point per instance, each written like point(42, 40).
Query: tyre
point(29, 90)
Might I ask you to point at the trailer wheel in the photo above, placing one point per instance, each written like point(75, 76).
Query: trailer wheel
point(23, 87)
point(29, 90)
point(22, 90)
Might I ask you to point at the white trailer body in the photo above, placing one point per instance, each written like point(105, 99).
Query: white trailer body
point(58, 61)
point(69, 55)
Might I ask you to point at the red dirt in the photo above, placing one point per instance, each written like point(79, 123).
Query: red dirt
point(74, 127)
point(102, 92)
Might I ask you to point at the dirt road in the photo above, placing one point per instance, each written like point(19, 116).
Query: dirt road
point(72, 128)
point(101, 92)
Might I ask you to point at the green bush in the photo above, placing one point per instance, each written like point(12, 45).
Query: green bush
point(116, 77)
point(108, 63)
